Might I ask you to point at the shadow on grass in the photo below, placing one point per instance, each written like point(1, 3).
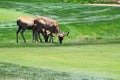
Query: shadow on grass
point(10, 71)
point(56, 44)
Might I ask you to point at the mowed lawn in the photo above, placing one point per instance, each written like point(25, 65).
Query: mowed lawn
point(72, 60)
point(93, 60)
point(86, 23)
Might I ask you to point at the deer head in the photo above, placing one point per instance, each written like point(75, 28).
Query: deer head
point(61, 36)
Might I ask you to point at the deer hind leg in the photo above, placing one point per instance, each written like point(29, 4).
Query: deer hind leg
point(44, 34)
point(36, 36)
point(23, 30)
point(17, 34)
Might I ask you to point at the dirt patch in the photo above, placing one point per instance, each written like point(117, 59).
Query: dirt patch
point(115, 5)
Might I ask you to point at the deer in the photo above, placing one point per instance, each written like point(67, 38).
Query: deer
point(50, 25)
point(27, 23)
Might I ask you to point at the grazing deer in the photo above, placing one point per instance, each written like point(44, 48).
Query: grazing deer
point(25, 22)
point(50, 25)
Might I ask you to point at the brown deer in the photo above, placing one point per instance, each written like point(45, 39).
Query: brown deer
point(50, 25)
point(25, 22)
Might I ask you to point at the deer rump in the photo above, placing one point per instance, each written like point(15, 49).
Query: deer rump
point(27, 23)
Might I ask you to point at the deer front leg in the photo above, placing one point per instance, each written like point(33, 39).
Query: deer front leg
point(51, 38)
point(22, 33)
point(17, 34)
point(39, 37)
point(33, 36)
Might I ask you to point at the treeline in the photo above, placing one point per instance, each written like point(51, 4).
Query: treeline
point(70, 1)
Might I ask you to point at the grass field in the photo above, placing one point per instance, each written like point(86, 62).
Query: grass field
point(98, 61)
point(90, 52)
point(85, 23)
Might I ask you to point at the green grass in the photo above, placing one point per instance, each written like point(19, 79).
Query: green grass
point(6, 15)
point(14, 72)
point(86, 54)
point(94, 60)
point(85, 23)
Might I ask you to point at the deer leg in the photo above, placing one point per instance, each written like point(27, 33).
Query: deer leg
point(51, 38)
point(39, 37)
point(44, 35)
point(17, 34)
point(23, 30)
point(36, 37)
point(33, 36)
point(46, 38)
